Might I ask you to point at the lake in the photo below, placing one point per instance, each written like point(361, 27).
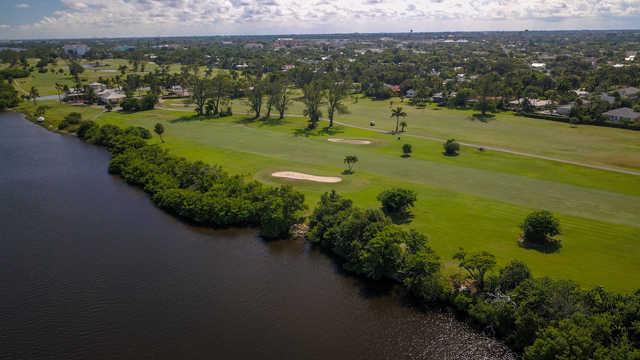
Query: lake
point(89, 268)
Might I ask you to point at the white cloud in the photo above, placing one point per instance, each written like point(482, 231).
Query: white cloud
point(88, 18)
point(23, 6)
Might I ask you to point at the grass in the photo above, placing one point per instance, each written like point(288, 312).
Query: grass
point(475, 200)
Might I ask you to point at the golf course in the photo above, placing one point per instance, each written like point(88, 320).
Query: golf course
point(508, 167)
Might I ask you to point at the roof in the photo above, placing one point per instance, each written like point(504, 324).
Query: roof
point(628, 91)
point(624, 112)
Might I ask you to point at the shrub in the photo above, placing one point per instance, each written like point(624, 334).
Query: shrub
point(540, 227)
point(407, 149)
point(397, 201)
point(451, 147)
point(70, 119)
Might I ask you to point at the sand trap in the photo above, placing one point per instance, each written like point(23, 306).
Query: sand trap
point(300, 176)
point(351, 141)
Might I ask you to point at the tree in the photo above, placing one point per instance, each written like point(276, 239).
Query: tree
point(403, 126)
point(477, 265)
point(397, 201)
point(486, 86)
point(159, 129)
point(33, 94)
point(199, 93)
point(255, 95)
point(8, 96)
point(313, 94)
point(540, 227)
point(512, 275)
point(284, 99)
point(398, 113)
point(220, 92)
point(350, 161)
point(59, 91)
point(337, 91)
point(407, 150)
point(451, 147)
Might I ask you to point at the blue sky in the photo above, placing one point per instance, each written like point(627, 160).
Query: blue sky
point(116, 18)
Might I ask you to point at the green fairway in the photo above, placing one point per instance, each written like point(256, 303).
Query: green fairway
point(475, 200)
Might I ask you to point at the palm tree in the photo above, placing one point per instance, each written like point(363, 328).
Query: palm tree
point(59, 90)
point(350, 160)
point(398, 113)
point(33, 94)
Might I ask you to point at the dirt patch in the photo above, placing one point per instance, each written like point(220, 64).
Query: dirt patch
point(350, 141)
point(300, 176)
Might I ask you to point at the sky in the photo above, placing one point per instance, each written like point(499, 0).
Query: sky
point(39, 19)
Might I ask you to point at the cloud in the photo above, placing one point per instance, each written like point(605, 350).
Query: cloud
point(88, 18)
point(23, 6)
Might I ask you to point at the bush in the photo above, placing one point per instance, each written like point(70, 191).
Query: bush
point(407, 149)
point(197, 192)
point(73, 118)
point(540, 227)
point(451, 147)
point(397, 201)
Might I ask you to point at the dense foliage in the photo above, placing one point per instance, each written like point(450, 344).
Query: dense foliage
point(8, 96)
point(540, 227)
point(539, 317)
point(196, 191)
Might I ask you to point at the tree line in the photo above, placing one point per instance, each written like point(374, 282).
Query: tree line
point(540, 318)
point(197, 192)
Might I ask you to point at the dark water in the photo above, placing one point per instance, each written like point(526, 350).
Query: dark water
point(90, 269)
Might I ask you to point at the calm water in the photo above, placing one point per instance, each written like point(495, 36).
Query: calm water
point(89, 268)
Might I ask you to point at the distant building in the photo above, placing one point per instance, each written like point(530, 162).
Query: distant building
point(286, 42)
point(96, 86)
point(111, 96)
point(608, 98)
point(628, 92)
point(410, 93)
point(77, 50)
point(564, 110)
point(288, 67)
point(622, 115)
point(253, 46)
point(539, 66)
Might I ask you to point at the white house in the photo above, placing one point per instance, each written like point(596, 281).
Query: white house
point(110, 96)
point(622, 115)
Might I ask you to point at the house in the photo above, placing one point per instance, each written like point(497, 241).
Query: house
point(581, 93)
point(439, 98)
point(97, 87)
point(608, 98)
point(536, 103)
point(538, 66)
point(110, 96)
point(177, 90)
point(564, 110)
point(410, 93)
point(394, 88)
point(77, 50)
point(628, 92)
point(288, 67)
point(622, 115)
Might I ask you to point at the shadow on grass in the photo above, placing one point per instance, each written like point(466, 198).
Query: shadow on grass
point(551, 246)
point(188, 118)
point(483, 118)
point(306, 132)
point(450, 154)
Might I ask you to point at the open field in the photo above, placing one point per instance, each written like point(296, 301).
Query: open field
point(475, 200)
point(591, 145)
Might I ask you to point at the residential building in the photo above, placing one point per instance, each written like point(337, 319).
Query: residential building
point(622, 115)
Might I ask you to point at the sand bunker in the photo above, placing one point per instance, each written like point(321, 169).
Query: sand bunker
point(351, 141)
point(300, 176)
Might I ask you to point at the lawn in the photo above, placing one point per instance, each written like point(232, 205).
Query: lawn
point(475, 200)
